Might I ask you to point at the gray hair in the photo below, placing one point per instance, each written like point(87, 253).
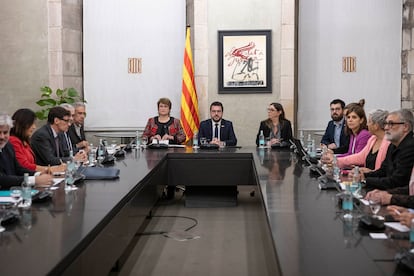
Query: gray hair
point(67, 106)
point(79, 104)
point(378, 116)
point(6, 120)
point(406, 116)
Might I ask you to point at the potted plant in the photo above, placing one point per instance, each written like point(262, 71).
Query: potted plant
point(49, 99)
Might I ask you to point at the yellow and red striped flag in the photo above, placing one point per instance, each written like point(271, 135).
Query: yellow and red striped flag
point(189, 103)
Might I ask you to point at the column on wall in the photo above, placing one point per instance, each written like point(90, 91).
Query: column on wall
point(407, 55)
point(65, 44)
point(288, 50)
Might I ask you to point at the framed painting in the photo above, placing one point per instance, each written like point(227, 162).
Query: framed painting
point(244, 62)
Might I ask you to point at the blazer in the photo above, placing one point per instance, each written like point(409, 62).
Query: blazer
point(360, 157)
point(74, 137)
point(357, 143)
point(402, 196)
point(11, 173)
point(329, 138)
point(396, 168)
point(226, 132)
point(44, 147)
point(285, 130)
point(24, 153)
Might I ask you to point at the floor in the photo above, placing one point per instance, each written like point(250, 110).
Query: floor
point(221, 241)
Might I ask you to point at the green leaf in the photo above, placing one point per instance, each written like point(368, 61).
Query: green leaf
point(47, 90)
point(42, 114)
point(59, 92)
point(44, 102)
point(72, 92)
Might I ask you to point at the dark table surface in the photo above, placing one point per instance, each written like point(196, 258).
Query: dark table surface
point(308, 232)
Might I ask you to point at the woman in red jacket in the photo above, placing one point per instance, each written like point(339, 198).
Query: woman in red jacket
point(23, 128)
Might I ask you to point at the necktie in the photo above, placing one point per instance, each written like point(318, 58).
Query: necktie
point(68, 142)
point(57, 146)
point(216, 130)
point(411, 185)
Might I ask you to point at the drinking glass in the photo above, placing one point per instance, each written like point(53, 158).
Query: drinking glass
point(3, 211)
point(144, 141)
point(16, 194)
point(69, 180)
point(203, 140)
point(375, 206)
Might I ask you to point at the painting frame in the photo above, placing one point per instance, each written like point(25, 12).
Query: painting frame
point(244, 61)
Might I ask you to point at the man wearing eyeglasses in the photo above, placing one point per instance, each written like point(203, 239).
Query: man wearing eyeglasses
point(46, 143)
point(217, 129)
point(335, 137)
point(395, 170)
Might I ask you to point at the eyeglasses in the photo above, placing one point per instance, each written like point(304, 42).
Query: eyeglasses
point(271, 110)
point(391, 123)
point(66, 120)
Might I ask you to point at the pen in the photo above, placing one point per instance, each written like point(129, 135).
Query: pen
point(48, 169)
point(397, 212)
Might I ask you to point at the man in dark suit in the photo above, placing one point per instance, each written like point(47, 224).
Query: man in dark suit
point(46, 141)
point(217, 129)
point(11, 173)
point(335, 137)
point(76, 131)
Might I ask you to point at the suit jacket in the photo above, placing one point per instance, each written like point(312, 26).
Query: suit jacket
point(44, 147)
point(395, 170)
point(11, 173)
point(285, 130)
point(401, 196)
point(74, 137)
point(329, 138)
point(226, 132)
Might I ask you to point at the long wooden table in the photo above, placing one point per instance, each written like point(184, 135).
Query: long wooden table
point(85, 231)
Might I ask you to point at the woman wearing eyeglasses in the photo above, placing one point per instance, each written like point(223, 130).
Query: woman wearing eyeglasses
point(276, 127)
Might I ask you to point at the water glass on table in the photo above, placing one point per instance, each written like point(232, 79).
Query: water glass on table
point(375, 206)
point(3, 212)
point(16, 194)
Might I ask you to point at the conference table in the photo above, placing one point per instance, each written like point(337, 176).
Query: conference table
point(84, 232)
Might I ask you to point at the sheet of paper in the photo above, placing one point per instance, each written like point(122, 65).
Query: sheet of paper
point(397, 226)
point(378, 236)
point(57, 181)
point(5, 199)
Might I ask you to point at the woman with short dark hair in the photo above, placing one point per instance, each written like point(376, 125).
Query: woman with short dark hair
point(164, 126)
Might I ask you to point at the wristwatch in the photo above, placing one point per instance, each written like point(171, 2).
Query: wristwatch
point(363, 182)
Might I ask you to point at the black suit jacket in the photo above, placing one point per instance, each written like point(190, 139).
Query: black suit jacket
point(15, 176)
point(285, 131)
point(329, 138)
point(44, 147)
point(74, 137)
point(226, 132)
point(395, 170)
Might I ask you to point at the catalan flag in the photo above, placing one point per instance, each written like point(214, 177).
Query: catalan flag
point(189, 103)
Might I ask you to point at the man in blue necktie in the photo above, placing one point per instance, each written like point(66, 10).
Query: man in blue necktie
point(216, 129)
